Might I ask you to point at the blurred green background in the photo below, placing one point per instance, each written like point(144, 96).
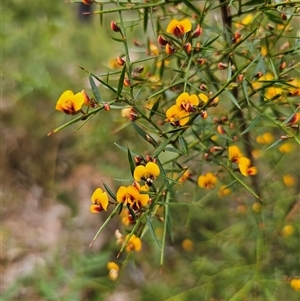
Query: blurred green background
point(47, 183)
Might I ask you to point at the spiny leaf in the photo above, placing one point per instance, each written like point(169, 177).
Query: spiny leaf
point(109, 191)
point(124, 149)
point(146, 19)
point(192, 7)
point(152, 231)
point(145, 135)
point(131, 163)
point(154, 108)
point(274, 144)
point(183, 145)
point(95, 89)
point(252, 124)
point(233, 99)
point(121, 81)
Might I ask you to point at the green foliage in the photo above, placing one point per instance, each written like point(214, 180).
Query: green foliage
point(217, 225)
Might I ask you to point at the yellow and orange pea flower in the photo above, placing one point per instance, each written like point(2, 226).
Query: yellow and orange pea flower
point(207, 181)
point(245, 167)
point(179, 28)
point(234, 153)
point(179, 114)
point(113, 270)
point(265, 138)
point(223, 191)
point(71, 103)
point(134, 243)
point(99, 200)
point(236, 156)
point(295, 284)
point(176, 116)
point(147, 173)
point(187, 102)
point(131, 196)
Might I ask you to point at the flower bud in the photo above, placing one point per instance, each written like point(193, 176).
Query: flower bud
point(240, 77)
point(221, 130)
point(114, 27)
point(222, 66)
point(170, 49)
point(162, 41)
point(197, 47)
point(203, 87)
point(197, 32)
point(138, 69)
point(201, 61)
point(106, 107)
point(120, 61)
point(258, 74)
point(126, 82)
point(282, 65)
point(204, 114)
point(283, 17)
point(188, 48)
point(87, 2)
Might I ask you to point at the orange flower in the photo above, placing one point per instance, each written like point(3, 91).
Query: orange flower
point(187, 102)
point(99, 200)
point(179, 28)
point(128, 195)
point(176, 116)
point(71, 103)
point(134, 243)
point(234, 153)
point(207, 181)
point(245, 168)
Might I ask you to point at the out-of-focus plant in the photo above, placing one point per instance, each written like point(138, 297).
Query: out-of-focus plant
point(217, 101)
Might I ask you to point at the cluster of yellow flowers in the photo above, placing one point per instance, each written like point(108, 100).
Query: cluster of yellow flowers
point(244, 163)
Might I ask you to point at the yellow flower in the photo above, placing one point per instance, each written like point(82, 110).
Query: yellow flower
point(147, 173)
point(179, 28)
point(287, 230)
point(234, 153)
point(245, 21)
point(286, 148)
point(128, 195)
point(70, 103)
point(264, 50)
point(187, 102)
point(134, 243)
point(99, 200)
point(187, 245)
point(245, 168)
point(223, 191)
point(296, 89)
point(186, 175)
point(207, 181)
point(265, 138)
point(256, 207)
point(113, 270)
point(289, 180)
point(295, 284)
point(176, 116)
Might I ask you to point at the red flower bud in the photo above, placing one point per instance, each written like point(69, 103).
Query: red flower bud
point(126, 82)
point(197, 32)
point(162, 41)
point(188, 48)
point(114, 27)
point(87, 2)
point(222, 66)
point(170, 49)
point(120, 61)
